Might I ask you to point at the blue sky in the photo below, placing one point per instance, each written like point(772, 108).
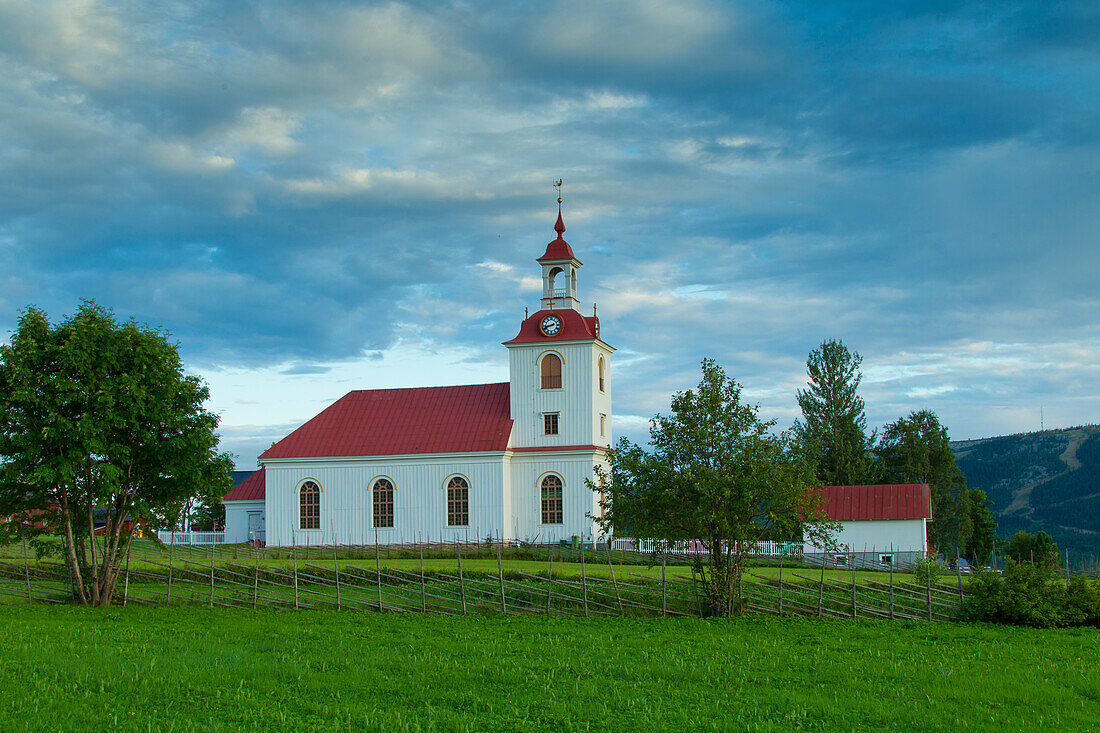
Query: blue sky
point(315, 197)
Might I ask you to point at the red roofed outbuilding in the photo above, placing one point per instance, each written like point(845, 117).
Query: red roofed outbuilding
point(880, 524)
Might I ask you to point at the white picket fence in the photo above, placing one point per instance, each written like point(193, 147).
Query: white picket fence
point(761, 549)
point(170, 537)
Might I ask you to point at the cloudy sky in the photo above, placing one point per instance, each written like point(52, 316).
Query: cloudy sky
point(316, 197)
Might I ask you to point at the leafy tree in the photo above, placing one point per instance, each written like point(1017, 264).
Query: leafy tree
point(1037, 549)
point(979, 546)
point(100, 427)
point(715, 474)
point(916, 449)
point(833, 425)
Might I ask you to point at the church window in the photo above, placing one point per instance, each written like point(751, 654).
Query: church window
point(551, 371)
point(458, 502)
point(551, 499)
point(600, 365)
point(550, 423)
point(603, 421)
point(383, 503)
point(309, 506)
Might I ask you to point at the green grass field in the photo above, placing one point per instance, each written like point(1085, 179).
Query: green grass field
point(68, 668)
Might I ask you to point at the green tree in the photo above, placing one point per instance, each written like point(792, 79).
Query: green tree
point(834, 423)
point(915, 449)
point(99, 425)
point(979, 546)
point(1037, 549)
point(715, 474)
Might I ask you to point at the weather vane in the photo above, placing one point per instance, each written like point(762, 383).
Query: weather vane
point(557, 187)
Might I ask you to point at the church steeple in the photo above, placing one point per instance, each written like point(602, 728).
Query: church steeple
point(559, 270)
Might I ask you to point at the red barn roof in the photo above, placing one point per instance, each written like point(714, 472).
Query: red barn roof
point(388, 422)
point(880, 501)
point(574, 327)
point(252, 488)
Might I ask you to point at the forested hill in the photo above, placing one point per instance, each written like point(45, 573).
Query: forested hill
point(1046, 481)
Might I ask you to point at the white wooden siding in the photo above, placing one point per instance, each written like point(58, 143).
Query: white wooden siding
point(579, 401)
point(897, 535)
point(419, 495)
point(236, 519)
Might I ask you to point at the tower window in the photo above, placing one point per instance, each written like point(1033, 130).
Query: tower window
point(600, 365)
point(551, 371)
point(551, 499)
point(603, 421)
point(383, 503)
point(458, 502)
point(309, 506)
point(550, 423)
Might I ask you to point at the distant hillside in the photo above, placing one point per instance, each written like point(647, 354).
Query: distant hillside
point(1047, 481)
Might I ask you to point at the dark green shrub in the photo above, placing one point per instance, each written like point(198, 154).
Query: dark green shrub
point(1026, 595)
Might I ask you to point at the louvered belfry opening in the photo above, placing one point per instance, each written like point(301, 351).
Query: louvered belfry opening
point(551, 372)
point(458, 502)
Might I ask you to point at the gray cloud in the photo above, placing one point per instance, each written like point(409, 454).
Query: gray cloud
point(289, 184)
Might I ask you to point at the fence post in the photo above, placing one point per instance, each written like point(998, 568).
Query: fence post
point(959, 578)
point(294, 559)
point(461, 582)
point(550, 579)
point(377, 570)
point(852, 563)
point(664, 585)
point(584, 581)
point(423, 596)
point(821, 585)
point(500, 574)
point(336, 569)
point(171, 547)
point(255, 568)
point(780, 581)
point(27, 571)
point(211, 569)
point(928, 591)
point(891, 588)
point(614, 583)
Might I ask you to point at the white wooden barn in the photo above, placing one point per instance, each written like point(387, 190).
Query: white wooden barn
point(880, 524)
point(452, 463)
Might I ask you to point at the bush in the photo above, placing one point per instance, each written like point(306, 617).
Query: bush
point(926, 570)
point(1026, 595)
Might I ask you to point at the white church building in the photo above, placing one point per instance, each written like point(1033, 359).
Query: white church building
point(508, 460)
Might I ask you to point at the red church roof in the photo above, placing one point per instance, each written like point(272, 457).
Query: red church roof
point(388, 422)
point(252, 488)
point(559, 249)
point(574, 326)
point(881, 501)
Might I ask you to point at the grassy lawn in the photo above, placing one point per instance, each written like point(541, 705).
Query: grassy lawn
point(199, 669)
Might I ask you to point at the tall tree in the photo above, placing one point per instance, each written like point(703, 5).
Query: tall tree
point(915, 449)
point(100, 427)
point(715, 473)
point(983, 529)
point(834, 423)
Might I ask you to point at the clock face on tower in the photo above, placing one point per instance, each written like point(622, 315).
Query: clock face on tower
point(550, 325)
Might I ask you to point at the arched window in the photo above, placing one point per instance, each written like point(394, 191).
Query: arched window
point(458, 502)
point(551, 371)
point(600, 366)
point(309, 506)
point(383, 503)
point(551, 499)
